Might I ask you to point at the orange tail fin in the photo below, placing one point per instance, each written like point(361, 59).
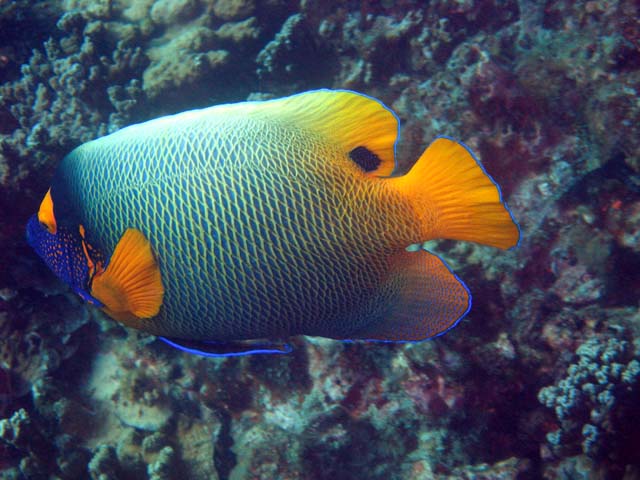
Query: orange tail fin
point(456, 199)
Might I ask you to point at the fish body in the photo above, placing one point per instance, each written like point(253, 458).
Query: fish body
point(269, 220)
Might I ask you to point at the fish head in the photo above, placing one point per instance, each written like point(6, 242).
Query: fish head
point(127, 285)
point(62, 245)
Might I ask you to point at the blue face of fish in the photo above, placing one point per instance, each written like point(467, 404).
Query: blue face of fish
point(65, 253)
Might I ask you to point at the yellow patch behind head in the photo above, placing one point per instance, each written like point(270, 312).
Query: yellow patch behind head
point(45, 213)
point(131, 286)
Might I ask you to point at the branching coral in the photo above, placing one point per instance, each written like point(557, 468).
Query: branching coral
point(292, 56)
point(594, 397)
point(22, 433)
point(69, 92)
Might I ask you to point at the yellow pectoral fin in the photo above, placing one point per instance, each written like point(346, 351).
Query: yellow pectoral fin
point(131, 286)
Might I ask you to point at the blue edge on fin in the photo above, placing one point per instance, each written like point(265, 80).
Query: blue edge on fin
point(208, 349)
point(502, 201)
point(464, 314)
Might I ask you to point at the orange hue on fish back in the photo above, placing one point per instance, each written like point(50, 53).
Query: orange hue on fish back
point(340, 117)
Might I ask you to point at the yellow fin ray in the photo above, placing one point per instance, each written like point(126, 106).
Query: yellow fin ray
point(131, 286)
point(456, 199)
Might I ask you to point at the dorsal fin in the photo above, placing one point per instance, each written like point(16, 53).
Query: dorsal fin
point(359, 123)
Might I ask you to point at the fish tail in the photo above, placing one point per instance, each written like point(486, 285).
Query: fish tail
point(456, 199)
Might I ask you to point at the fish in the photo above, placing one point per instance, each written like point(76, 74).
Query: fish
point(231, 229)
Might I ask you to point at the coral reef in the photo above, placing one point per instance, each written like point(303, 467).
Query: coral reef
point(593, 401)
point(541, 380)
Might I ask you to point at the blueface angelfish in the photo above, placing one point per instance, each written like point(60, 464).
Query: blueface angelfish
point(254, 222)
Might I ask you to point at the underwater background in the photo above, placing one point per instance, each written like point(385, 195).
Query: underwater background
point(540, 380)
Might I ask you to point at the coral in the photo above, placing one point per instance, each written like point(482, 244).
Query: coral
point(200, 449)
point(71, 461)
point(230, 10)
point(161, 468)
point(596, 394)
point(241, 34)
point(628, 233)
point(197, 62)
point(369, 50)
point(507, 469)
point(576, 285)
point(33, 345)
point(56, 101)
point(292, 56)
point(165, 12)
point(22, 433)
point(134, 396)
point(104, 464)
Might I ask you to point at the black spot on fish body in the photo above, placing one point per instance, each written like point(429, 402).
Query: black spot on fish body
point(365, 158)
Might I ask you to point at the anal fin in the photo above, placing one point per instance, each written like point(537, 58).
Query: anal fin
point(430, 300)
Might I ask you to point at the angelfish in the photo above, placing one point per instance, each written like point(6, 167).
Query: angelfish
point(229, 229)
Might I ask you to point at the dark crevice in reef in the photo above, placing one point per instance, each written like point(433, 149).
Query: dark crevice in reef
point(24, 25)
point(614, 175)
point(224, 459)
point(623, 283)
